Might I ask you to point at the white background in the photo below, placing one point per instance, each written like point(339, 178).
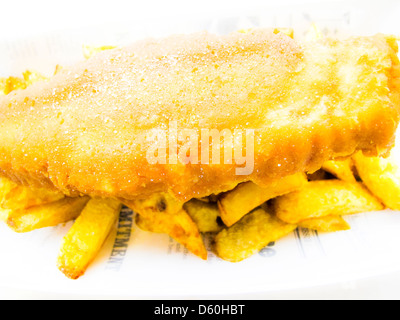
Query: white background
point(24, 19)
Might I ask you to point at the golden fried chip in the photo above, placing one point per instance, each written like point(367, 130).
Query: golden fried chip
point(57, 69)
point(6, 185)
point(213, 198)
point(48, 215)
point(86, 237)
point(255, 231)
point(149, 225)
point(4, 213)
point(341, 169)
point(14, 83)
point(382, 178)
point(31, 77)
point(245, 197)
point(323, 198)
point(10, 84)
point(313, 33)
point(164, 214)
point(205, 215)
point(21, 197)
point(317, 175)
point(90, 51)
point(288, 31)
point(325, 224)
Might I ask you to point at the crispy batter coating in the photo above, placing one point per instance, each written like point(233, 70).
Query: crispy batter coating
point(82, 131)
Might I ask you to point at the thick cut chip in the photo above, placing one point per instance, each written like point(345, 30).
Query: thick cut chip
point(255, 231)
point(382, 178)
point(86, 237)
point(58, 69)
point(149, 225)
point(6, 185)
point(14, 83)
point(48, 215)
point(31, 77)
point(323, 198)
point(341, 169)
point(164, 214)
point(313, 33)
point(90, 51)
point(247, 196)
point(287, 31)
point(10, 84)
point(4, 213)
point(205, 215)
point(14, 197)
point(21, 197)
point(317, 175)
point(326, 224)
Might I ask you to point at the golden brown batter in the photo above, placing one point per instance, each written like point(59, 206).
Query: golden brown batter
point(82, 132)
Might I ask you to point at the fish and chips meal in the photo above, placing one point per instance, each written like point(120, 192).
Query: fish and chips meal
point(244, 137)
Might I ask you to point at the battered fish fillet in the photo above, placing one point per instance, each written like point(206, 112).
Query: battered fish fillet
point(82, 132)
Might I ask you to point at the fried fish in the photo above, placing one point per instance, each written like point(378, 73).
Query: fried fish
point(82, 132)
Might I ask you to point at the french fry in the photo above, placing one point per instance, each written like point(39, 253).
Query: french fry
point(86, 237)
point(326, 224)
point(90, 51)
point(178, 226)
point(10, 84)
point(58, 69)
point(14, 197)
point(164, 214)
point(235, 204)
point(317, 175)
point(323, 198)
point(288, 31)
point(31, 77)
point(211, 198)
point(255, 231)
point(341, 169)
point(205, 215)
point(14, 83)
point(6, 185)
point(48, 215)
point(313, 33)
point(382, 178)
point(4, 213)
point(147, 218)
point(21, 197)
point(148, 225)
